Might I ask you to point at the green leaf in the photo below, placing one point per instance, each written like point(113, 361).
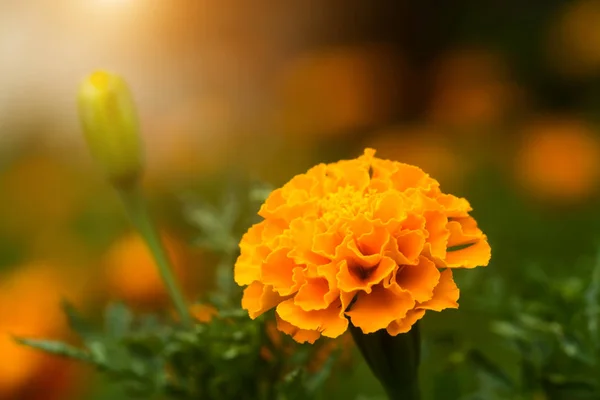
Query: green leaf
point(55, 347)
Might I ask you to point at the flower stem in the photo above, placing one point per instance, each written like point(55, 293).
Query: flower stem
point(137, 210)
point(394, 360)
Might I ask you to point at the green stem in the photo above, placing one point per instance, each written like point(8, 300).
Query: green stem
point(411, 392)
point(394, 360)
point(137, 210)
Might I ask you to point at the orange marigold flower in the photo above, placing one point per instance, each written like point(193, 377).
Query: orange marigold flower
point(362, 239)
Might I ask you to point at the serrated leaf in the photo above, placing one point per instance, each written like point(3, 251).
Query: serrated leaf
point(55, 347)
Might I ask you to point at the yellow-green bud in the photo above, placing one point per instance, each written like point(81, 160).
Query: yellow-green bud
point(110, 125)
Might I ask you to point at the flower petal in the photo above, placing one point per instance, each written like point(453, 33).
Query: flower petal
point(409, 176)
point(304, 232)
point(352, 277)
point(445, 294)
point(330, 321)
point(279, 271)
point(475, 255)
point(299, 335)
point(420, 280)
point(326, 244)
point(315, 294)
point(438, 233)
point(376, 310)
point(410, 245)
point(454, 207)
point(349, 250)
point(371, 241)
point(403, 325)
point(259, 298)
point(252, 252)
point(464, 232)
point(390, 207)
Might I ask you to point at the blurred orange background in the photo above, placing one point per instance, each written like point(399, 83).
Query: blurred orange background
point(267, 89)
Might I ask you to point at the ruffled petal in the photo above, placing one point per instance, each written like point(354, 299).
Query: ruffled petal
point(438, 233)
point(356, 277)
point(315, 294)
point(299, 335)
point(472, 256)
point(330, 321)
point(326, 244)
point(420, 280)
point(259, 298)
point(467, 245)
point(376, 310)
point(409, 176)
point(403, 325)
point(303, 232)
point(445, 294)
point(349, 251)
point(252, 252)
point(390, 207)
point(410, 246)
point(453, 207)
point(282, 273)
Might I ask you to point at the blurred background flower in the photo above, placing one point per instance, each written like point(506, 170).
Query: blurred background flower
point(427, 146)
point(132, 276)
point(559, 159)
point(30, 298)
point(472, 89)
point(331, 91)
point(574, 40)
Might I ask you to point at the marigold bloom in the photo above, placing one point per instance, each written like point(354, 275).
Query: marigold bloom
point(362, 239)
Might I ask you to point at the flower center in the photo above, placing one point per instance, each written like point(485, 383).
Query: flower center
point(347, 202)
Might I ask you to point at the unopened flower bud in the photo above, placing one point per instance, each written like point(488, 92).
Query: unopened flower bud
point(110, 125)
